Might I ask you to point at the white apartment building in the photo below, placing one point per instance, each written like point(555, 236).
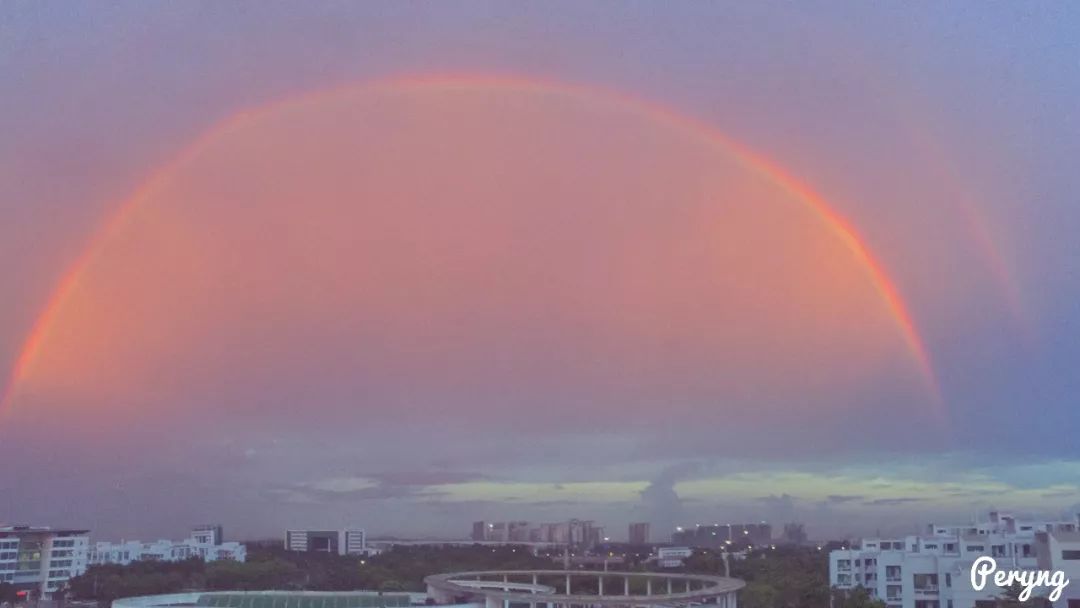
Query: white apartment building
point(39, 561)
point(205, 543)
point(350, 541)
point(1060, 550)
point(934, 571)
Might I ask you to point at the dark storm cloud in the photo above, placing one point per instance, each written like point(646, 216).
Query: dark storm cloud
point(1061, 493)
point(837, 499)
point(892, 502)
point(423, 478)
point(372, 486)
point(661, 501)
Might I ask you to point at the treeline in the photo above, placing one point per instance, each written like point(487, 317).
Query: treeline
point(108, 582)
point(400, 569)
point(785, 577)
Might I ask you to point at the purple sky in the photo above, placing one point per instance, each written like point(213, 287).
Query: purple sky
point(526, 352)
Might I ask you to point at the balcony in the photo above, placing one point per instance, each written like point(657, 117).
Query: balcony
point(926, 590)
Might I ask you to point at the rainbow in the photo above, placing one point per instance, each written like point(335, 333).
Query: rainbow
point(839, 226)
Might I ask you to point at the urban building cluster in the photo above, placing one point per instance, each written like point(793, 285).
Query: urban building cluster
point(723, 536)
point(39, 561)
point(585, 534)
point(349, 541)
point(575, 532)
point(206, 543)
point(934, 570)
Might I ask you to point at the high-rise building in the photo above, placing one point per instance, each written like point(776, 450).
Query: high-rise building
point(499, 531)
point(479, 531)
point(517, 531)
point(38, 561)
point(350, 541)
point(583, 533)
point(934, 570)
point(577, 532)
point(794, 534)
point(639, 533)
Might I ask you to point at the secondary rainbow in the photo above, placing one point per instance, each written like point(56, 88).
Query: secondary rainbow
point(831, 219)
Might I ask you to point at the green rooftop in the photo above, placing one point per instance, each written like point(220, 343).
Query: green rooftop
point(303, 600)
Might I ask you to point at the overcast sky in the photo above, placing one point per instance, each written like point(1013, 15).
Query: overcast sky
point(409, 265)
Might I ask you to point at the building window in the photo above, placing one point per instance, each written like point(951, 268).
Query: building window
point(1070, 554)
point(926, 582)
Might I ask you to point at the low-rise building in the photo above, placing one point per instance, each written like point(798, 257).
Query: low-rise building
point(205, 543)
point(39, 561)
point(350, 541)
point(672, 557)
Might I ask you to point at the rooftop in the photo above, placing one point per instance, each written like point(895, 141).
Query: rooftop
point(20, 529)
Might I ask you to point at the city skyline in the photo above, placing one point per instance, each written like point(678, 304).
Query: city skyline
point(410, 267)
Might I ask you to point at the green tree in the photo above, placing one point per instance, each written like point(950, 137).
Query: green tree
point(759, 595)
point(1010, 598)
point(858, 597)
